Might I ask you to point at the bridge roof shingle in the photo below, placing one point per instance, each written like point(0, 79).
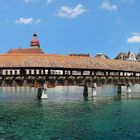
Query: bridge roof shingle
point(65, 61)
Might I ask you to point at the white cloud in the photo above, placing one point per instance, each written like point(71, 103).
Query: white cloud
point(29, 20)
point(71, 12)
point(109, 6)
point(49, 1)
point(134, 39)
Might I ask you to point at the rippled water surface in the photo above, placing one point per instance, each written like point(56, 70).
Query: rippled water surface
point(66, 115)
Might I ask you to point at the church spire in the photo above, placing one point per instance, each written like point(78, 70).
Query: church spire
point(34, 42)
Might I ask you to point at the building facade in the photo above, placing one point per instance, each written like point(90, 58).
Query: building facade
point(127, 56)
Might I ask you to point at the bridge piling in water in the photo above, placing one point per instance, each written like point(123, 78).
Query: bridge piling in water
point(85, 92)
point(41, 93)
point(129, 88)
point(119, 89)
point(94, 90)
point(44, 95)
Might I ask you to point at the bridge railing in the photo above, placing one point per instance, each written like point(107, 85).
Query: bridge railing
point(65, 72)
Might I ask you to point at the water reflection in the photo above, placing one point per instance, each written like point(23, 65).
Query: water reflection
point(69, 93)
point(68, 115)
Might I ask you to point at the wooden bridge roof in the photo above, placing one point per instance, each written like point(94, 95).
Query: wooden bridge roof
point(65, 61)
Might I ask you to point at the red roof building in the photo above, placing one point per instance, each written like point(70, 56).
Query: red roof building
point(34, 48)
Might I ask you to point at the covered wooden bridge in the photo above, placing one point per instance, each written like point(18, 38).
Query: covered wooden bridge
point(33, 64)
point(25, 65)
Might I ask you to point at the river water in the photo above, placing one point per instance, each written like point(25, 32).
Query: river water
point(66, 115)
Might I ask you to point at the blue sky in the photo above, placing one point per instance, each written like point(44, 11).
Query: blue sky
point(71, 26)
